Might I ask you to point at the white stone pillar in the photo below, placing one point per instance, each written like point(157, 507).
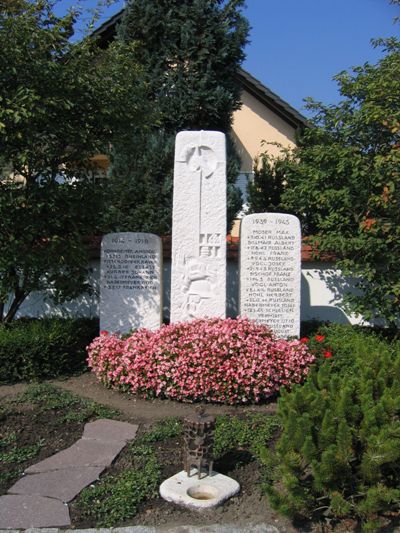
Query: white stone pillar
point(198, 277)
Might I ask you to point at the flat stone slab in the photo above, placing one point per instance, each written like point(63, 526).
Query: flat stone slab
point(130, 282)
point(63, 485)
point(24, 512)
point(270, 271)
point(198, 494)
point(85, 452)
point(110, 430)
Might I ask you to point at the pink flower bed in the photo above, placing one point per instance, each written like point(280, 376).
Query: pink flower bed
point(215, 360)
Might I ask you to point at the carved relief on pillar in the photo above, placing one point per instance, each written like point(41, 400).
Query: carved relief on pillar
point(199, 227)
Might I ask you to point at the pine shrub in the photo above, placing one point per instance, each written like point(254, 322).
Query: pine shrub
point(339, 452)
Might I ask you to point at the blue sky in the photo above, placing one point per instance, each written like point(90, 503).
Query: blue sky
point(297, 46)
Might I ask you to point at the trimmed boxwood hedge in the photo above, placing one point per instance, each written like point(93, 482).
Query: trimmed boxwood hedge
point(33, 349)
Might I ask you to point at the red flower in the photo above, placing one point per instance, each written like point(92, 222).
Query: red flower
point(103, 332)
point(319, 338)
point(304, 340)
point(327, 354)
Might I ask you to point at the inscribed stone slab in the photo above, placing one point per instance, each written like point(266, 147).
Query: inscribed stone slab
point(130, 282)
point(23, 512)
point(63, 485)
point(270, 271)
point(198, 277)
point(85, 452)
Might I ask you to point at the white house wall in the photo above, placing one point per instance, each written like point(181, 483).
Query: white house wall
point(322, 289)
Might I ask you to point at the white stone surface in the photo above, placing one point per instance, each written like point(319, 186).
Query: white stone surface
point(190, 491)
point(130, 282)
point(198, 277)
point(270, 271)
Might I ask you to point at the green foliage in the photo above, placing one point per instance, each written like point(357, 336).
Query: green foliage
point(9, 438)
point(48, 397)
point(49, 347)
point(167, 429)
point(266, 188)
point(21, 454)
point(252, 433)
point(140, 183)
point(6, 477)
point(190, 53)
point(60, 103)
point(116, 497)
point(343, 182)
point(339, 450)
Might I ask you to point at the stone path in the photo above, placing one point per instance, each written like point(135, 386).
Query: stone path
point(40, 498)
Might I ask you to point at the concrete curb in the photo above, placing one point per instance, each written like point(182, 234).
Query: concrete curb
point(213, 528)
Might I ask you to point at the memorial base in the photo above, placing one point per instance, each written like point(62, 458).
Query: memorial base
point(198, 494)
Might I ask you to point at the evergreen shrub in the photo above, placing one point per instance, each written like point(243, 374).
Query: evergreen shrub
point(44, 348)
point(216, 360)
point(339, 451)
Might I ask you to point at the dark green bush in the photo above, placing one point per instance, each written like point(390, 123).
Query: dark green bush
point(44, 348)
point(339, 451)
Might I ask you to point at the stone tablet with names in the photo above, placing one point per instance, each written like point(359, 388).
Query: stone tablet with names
point(198, 277)
point(130, 282)
point(270, 271)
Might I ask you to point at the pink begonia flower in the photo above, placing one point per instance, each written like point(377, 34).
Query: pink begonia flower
point(217, 360)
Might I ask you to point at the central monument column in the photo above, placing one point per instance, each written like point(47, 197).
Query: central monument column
point(198, 277)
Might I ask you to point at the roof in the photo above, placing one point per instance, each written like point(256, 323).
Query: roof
point(106, 33)
point(271, 100)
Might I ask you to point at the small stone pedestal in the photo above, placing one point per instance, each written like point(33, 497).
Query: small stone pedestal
point(198, 494)
point(198, 438)
point(208, 489)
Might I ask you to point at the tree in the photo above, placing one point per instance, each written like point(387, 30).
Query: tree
point(61, 103)
point(190, 52)
point(343, 181)
point(267, 185)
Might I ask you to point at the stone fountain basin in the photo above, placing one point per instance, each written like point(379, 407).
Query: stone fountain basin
point(198, 494)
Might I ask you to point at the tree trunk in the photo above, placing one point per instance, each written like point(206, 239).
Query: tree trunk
point(15, 305)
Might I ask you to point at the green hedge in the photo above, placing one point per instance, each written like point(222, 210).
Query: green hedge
point(339, 452)
point(44, 348)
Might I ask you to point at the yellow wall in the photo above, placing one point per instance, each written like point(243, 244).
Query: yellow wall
point(255, 122)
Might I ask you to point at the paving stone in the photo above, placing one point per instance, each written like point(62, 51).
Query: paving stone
point(32, 511)
point(61, 484)
point(85, 452)
point(110, 430)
